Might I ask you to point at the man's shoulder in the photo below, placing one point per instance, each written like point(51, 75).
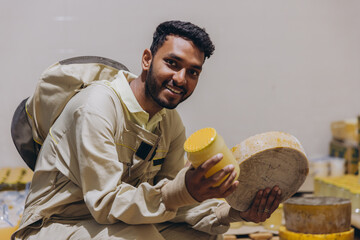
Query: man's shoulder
point(97, 99)
point(172, 122)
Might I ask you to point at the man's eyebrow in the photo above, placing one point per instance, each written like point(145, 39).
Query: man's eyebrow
point(176, 57)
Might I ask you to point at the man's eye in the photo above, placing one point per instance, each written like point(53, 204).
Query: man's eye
point(171, 62)
point(194, 73)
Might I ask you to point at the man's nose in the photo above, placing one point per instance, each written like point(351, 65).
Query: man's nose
point(180, 77)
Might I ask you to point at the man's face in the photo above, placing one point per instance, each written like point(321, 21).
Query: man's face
point(174, 72)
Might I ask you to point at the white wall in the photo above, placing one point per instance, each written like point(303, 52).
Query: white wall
point(278, 64)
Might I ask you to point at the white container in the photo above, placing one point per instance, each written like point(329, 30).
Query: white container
point(320, 168)
point(337, 167)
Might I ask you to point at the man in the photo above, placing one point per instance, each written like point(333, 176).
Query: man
point(112, 165)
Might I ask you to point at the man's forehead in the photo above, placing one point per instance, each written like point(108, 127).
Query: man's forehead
point(180, 47)
point(179, 40)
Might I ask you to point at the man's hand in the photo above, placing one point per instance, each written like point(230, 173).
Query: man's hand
point(264, 204)
point(201, 188)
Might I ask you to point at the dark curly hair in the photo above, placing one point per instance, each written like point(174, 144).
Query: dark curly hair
point(185, 30)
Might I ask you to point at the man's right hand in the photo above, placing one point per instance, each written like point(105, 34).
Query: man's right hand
point(201, 188)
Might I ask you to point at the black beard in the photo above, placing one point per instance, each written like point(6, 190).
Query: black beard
point(151, 90)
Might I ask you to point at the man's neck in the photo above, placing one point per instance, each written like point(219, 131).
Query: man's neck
point(146, 102)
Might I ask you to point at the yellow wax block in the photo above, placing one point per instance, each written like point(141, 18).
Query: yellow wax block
point(15, 175)
point(204, 144)
point(27, 177)
point(4, 172)
point(288, 235)
point(345, 130)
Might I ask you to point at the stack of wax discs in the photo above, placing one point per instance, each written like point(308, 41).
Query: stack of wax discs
point(317, 218)
point(266, 160)
point(14, 178)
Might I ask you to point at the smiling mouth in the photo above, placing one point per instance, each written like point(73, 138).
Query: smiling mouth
point(173, 90)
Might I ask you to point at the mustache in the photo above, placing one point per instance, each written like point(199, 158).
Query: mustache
point(173, 84)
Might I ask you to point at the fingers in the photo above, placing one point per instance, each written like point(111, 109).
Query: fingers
point(221, 174)
point(231, 189)
point(257, 208)
point(276, 194)
point(265, 203)
point(202, 188)
point(229, 180)
point(256, 203)
point(229, 185)
point(203, 168)
point(263, 200)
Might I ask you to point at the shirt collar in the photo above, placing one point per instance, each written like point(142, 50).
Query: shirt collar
point(127, 96)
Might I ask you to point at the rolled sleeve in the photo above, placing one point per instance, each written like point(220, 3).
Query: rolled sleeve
point(202, 217)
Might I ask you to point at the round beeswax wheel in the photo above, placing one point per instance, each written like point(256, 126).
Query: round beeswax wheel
point(317, 215)
point(266, 160)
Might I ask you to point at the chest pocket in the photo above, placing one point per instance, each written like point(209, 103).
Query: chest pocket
point(157, 161)
point(126, 145)
point(141, 158)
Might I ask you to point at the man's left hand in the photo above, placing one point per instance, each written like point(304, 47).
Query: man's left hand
point(265, 203)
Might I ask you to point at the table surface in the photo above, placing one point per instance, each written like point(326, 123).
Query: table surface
point(245, 230)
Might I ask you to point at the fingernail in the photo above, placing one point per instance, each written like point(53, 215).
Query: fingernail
point(231, 167)
point(219, 156)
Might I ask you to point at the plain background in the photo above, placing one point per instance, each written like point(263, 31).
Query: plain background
point(281, 65)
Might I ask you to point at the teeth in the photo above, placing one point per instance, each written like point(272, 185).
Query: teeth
point(173, 90)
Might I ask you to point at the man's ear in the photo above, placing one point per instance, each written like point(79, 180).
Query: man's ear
point(146, 60)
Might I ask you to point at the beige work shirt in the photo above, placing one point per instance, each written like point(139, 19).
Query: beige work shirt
point(135, 112)
point(89, 167)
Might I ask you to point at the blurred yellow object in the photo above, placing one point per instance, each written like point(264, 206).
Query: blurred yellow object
point(14, 178)
point(355, 199)
point(15, 175)
point(204, 144)
point(4, 172)
point(274, 222)
point(345, 130)
point(288, 235)
point(252, 224)
point(235, 225)
point(345, 186)
point(6, 232)
point(347, 150)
